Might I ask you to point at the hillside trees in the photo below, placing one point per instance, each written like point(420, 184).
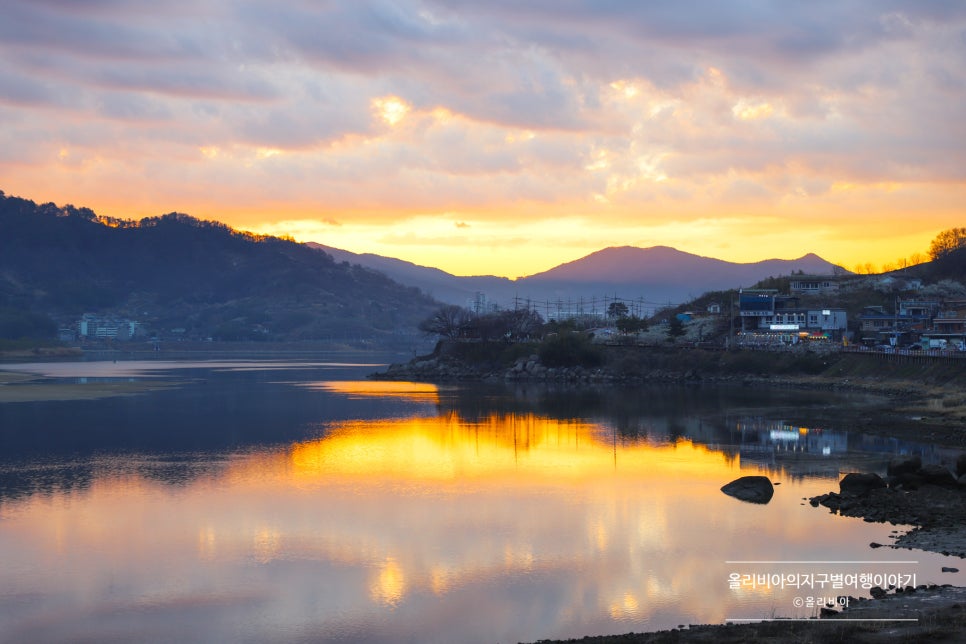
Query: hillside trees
point(175, 271)
point(946, 242)
point(631, 324)
point(454, 321)
point(675, 328)
point(617, 310)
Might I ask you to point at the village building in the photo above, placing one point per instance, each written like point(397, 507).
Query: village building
point(814, 284)
point(768, 317)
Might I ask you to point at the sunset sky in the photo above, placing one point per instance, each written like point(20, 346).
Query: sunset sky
point(500, 137)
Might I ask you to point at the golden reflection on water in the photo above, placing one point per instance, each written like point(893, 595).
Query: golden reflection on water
point(440, 506)
point(389, 584)
point(266, 543)
point(523, 470)
point(504, 457)
point(207, 543)
point(524, 447)
point(360, 389)
point(627, 606)
point(436, 503)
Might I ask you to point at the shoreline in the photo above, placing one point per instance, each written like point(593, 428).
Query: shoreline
point(927, 400)
point(927, 613)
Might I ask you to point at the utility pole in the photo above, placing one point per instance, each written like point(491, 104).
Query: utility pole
point(731, 321)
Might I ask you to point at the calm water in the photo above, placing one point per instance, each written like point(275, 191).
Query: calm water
point(284, 501)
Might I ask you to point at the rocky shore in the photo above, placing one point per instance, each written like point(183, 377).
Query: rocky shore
point(930, 498)
point(936, 614)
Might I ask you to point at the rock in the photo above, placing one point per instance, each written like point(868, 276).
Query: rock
point(961, 465)
point(904, 465)
point(754, 489)
point(906, 480)
point(961, 481)
point(937, 475)
point(857, 484)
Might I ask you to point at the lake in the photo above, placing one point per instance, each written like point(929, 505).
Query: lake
point(260, 500)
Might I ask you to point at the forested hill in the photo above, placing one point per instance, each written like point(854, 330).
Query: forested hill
point(198, 278)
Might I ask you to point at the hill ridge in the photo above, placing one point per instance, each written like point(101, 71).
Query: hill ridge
point(201, 277)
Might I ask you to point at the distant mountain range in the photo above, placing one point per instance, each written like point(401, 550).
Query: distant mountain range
point(656, 276)
point(177, 275)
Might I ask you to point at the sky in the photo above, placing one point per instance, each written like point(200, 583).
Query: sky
point(502, 137)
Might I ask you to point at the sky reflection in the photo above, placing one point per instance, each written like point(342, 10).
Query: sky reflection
point(510, 526)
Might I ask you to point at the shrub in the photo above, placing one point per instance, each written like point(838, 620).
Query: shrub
point(569, 349)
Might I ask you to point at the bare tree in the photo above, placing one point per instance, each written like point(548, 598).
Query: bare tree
point(448, 322)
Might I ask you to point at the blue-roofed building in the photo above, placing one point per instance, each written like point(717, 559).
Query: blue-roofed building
point(770, 318)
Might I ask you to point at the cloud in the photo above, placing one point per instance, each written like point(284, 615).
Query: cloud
point(378, 110)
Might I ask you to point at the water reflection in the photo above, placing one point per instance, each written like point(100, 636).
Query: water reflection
point(463, 519)
point(364, 389)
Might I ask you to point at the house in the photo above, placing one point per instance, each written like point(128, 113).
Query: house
point(918, 310)
point(878, 326)
point(814, 284)
point(950, 322)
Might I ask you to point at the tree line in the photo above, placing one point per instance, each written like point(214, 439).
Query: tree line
point(519, 325)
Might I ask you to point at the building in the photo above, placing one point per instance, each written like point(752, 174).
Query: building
point(950, 323)
point(814, 284)
point(910, 320)
point(877, 326)
point(92, 326)
point(917, 311)
point(770, 318)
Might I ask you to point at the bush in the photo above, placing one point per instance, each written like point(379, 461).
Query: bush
point(569, 349)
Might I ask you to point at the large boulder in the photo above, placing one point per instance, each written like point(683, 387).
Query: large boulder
point(754, 489)
point(937, 475)
point(857, 484)
point(904, 465)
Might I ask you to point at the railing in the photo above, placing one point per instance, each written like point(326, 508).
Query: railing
point(912, 353)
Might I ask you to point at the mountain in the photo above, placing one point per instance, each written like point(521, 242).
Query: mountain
point(632, 265)
point(432, 281)
point(654, 276)
point(199, 277)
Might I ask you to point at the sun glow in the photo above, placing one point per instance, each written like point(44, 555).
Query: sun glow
point(391, 109)
point(747, 110)
point(626, 89)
